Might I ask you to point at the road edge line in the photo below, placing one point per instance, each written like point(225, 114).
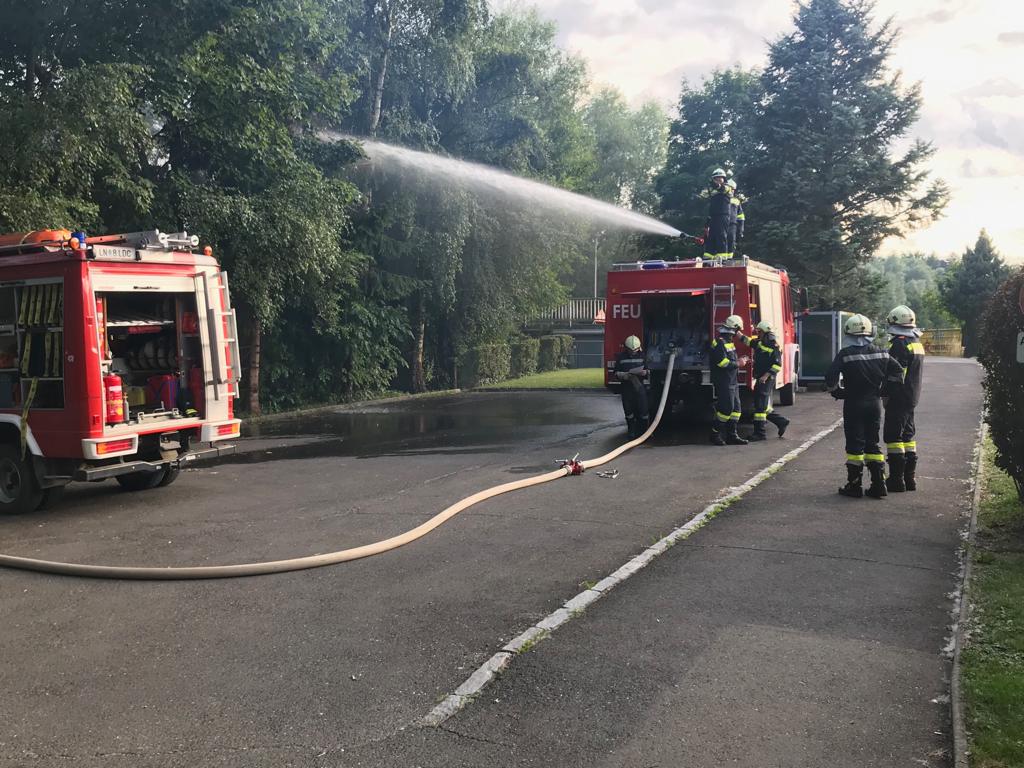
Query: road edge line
point(455, 702)
point(963, 611)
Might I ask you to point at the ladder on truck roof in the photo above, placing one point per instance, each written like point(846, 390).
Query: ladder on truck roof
point(723, 303)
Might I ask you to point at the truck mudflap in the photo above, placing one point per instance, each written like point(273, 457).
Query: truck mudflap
point(104, 472)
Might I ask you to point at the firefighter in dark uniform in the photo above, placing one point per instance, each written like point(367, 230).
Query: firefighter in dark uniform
point(899, 432)
point(725, 365)
point(767, 364)
point(868, 373)
point(737, 218)
point(716, 244)
point(630, 370)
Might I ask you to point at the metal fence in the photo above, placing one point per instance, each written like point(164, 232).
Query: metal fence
point(944, 342)
point(573, 312)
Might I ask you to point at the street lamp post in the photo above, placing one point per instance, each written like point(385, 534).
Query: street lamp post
point(596, 241)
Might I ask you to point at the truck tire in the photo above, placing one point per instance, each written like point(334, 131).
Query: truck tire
point(173, 470)
point(787, 394)
point(142, 481)
point(19, 491)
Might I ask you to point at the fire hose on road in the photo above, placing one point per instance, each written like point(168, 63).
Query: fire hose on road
point(144, 573)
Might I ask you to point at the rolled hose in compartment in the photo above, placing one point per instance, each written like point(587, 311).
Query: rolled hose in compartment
point(149, 573)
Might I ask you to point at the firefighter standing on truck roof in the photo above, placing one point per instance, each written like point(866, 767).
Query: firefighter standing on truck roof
point(868, 373)
point(724, 368)
point(737, 218)
point(716, 244)
point(630, 370)
point(899, 432)
point(767, 364)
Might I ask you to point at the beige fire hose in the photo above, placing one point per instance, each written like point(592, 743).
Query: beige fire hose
point(331, 558)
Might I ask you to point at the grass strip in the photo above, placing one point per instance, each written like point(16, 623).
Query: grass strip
point(993, 658)
point(573, 378)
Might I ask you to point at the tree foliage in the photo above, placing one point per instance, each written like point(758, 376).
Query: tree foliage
point(1001, 326)
point(969, 284)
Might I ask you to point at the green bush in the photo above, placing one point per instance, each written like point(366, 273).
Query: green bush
point(525, 354)
point(486, 364)
point(1004, 377)
point(554, 352)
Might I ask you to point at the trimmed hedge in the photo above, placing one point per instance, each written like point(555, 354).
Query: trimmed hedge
point(525, 356)
point(486, 364)
point(554, 352)
point(1004, 377)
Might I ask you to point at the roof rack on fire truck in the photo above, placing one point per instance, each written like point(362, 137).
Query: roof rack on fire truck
point(48, 241)
point(697, 263)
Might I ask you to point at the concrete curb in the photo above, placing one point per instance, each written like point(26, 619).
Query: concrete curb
point(961, 750)
point(282, 415)
point(490, 669)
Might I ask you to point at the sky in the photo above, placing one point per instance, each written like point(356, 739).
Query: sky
point(968, 55)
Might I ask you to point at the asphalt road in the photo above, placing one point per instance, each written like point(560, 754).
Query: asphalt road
point(798, 628)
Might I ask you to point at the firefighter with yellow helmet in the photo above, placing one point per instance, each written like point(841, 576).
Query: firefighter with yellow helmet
point(767, 365)
point(899, 431)
point(860, 375)
point(725, 365)
point(631, 372)
point(719, 197)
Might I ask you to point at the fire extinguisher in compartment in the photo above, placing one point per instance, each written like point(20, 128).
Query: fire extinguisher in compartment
point(114, 398)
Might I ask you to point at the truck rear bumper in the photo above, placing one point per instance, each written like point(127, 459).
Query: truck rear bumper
point(90, 473)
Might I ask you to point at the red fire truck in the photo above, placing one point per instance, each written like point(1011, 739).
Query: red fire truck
point(118, 356)
point(676, 305)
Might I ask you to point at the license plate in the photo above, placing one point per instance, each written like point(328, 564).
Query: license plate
point(113, 252)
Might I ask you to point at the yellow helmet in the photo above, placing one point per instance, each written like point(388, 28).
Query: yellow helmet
point(765, 327)
point(733, 323)
point(857, 325)
point(903, 316)
point(632, 343)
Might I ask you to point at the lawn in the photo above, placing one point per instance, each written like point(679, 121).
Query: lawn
point(574, 378)
point(993, 659)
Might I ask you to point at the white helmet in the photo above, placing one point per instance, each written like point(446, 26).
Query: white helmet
point(903, 316)
point(632, 343)
point(857, 325)
point(733, 323)
point(718, 172)
point(765, 327)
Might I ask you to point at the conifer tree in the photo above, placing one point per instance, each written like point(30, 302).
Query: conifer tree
point(829, 183)
point(969, 284)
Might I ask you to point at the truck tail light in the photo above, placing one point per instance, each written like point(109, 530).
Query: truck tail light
point(228, 429)
point(114, 446)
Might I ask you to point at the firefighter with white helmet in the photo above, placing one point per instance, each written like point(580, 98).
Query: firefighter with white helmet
point(767, 365)
point(630, 370)
point(868, 373)
point(725, 364)
point(719, 197)
point(899, 431)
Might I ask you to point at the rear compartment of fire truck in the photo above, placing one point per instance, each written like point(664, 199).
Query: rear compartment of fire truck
point(680, 322)
point(152, 344)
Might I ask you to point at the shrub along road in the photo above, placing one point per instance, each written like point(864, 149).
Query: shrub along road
point(797, 629)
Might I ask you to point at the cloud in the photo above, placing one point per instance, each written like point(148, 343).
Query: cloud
point(973, 88)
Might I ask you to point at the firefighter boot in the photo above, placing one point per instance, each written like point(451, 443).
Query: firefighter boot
point(716, 435)
point(910, 472)
point(894, 482)
point(759, 433)
point(877, 489)
point(853, 487)
point(631, 426)
point(781, 422)
point(732, 437)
